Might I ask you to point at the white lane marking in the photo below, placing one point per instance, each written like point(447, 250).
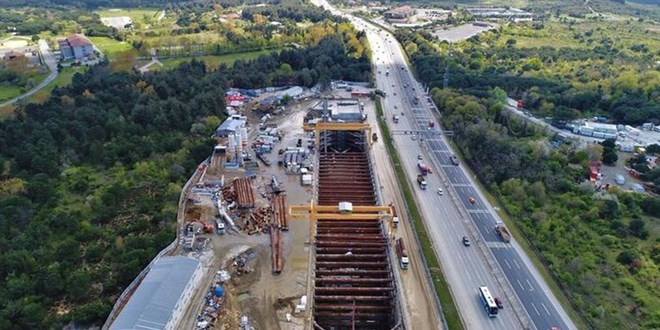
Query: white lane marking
point(531, 288)
point(537, 311)
point(515, 262)
point(486, 229)
point(507, 263)
point(546, 308)
point(521, 286)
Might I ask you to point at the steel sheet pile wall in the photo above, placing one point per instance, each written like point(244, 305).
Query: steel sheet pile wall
point(345, 177)
point(354, 287)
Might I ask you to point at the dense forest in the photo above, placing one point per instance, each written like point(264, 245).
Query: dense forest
point(90, 179)
point(32, 21)
point(563, 83)
point(600, 245)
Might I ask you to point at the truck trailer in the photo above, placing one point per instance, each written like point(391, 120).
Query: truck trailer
point(402, 254)
point(421, 181)
point(395, 216)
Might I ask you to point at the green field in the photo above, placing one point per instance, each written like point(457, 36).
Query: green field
point(213, 61)
point(110, 47)
point(137, 15)
point(63, 79)
point(9, 92)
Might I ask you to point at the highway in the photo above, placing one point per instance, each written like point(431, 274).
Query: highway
point(503, 267)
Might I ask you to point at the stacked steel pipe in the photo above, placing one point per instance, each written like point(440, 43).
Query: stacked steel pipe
point(279, 208)
point(244, 193)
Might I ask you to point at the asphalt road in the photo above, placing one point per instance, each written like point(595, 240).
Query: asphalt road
point(503, 267)
point(51, 63)
point(475, 220)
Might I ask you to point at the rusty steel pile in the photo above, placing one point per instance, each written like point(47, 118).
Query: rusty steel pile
point(354, 286)
point(244, 193)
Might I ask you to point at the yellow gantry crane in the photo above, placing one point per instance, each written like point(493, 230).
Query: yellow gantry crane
point(329, 126)
point(318, 212)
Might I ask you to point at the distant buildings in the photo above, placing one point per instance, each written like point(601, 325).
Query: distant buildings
point(402, 12)
point(159, 300)
point(500, 12)
point(76, 46)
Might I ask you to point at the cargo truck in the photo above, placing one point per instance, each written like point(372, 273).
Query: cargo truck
point(395, 216)
point(402, 254)
point(502, 231)
point(380, 92)
point(423, 168)
point(421, 181)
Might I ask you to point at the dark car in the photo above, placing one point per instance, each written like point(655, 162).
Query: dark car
point(466, 241)
point(498, 302)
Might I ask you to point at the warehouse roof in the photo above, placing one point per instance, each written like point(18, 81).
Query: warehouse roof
point(154, 300)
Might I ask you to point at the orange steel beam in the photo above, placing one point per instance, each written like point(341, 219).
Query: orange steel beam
point(359, 213)
point(324, 126)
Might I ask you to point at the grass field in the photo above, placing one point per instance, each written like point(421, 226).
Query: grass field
point(63, 79)
point(9, 92)
point(137, 15)
point(110, 47)
point(213, 61)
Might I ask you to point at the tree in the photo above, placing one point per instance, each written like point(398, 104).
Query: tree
point(626, 257)
point(610, 157)
point(511, 42)
point(637, 228)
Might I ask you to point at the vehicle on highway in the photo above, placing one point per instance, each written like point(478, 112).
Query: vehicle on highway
point(440, 191)
point(498, 302)
point(487, 301)
point(402, 254)
point(501, 230)
point(395, 119)
point(421, 181)
point(466, 241)
point(394, 93)
point(454, 159)
point(472, 200)
point(413, 137)
point(420, 157)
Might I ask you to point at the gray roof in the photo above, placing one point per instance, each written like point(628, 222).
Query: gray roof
point(229, 126)
point(153, 302)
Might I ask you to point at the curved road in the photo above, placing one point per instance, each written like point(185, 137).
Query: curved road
point(504, 268)
point(51, 63)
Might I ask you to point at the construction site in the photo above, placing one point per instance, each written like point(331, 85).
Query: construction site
point(305, 245)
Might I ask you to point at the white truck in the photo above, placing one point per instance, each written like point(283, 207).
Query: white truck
point(402, 254)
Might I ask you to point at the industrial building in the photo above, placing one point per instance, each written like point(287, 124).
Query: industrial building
point(231, 125)
point(160, 299)
point(597, 130)
point(402, 12)
point(341, 110)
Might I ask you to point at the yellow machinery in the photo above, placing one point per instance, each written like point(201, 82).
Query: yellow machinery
point(317, 212)
point(324, 126)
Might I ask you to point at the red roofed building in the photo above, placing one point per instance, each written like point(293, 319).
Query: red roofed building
point(76, 46)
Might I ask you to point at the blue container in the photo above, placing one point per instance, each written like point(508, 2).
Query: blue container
point(219, 291)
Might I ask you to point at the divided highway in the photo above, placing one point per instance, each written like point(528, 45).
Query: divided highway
point(504, 268)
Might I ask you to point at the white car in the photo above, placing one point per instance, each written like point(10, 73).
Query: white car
point(440, 191)
point(414, 137)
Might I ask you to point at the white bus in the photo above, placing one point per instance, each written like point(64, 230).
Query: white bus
point(488, 301)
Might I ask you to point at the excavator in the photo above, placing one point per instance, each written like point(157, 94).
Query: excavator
point(208, 228)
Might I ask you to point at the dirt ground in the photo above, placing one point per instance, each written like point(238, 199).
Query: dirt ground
point(263, 297)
